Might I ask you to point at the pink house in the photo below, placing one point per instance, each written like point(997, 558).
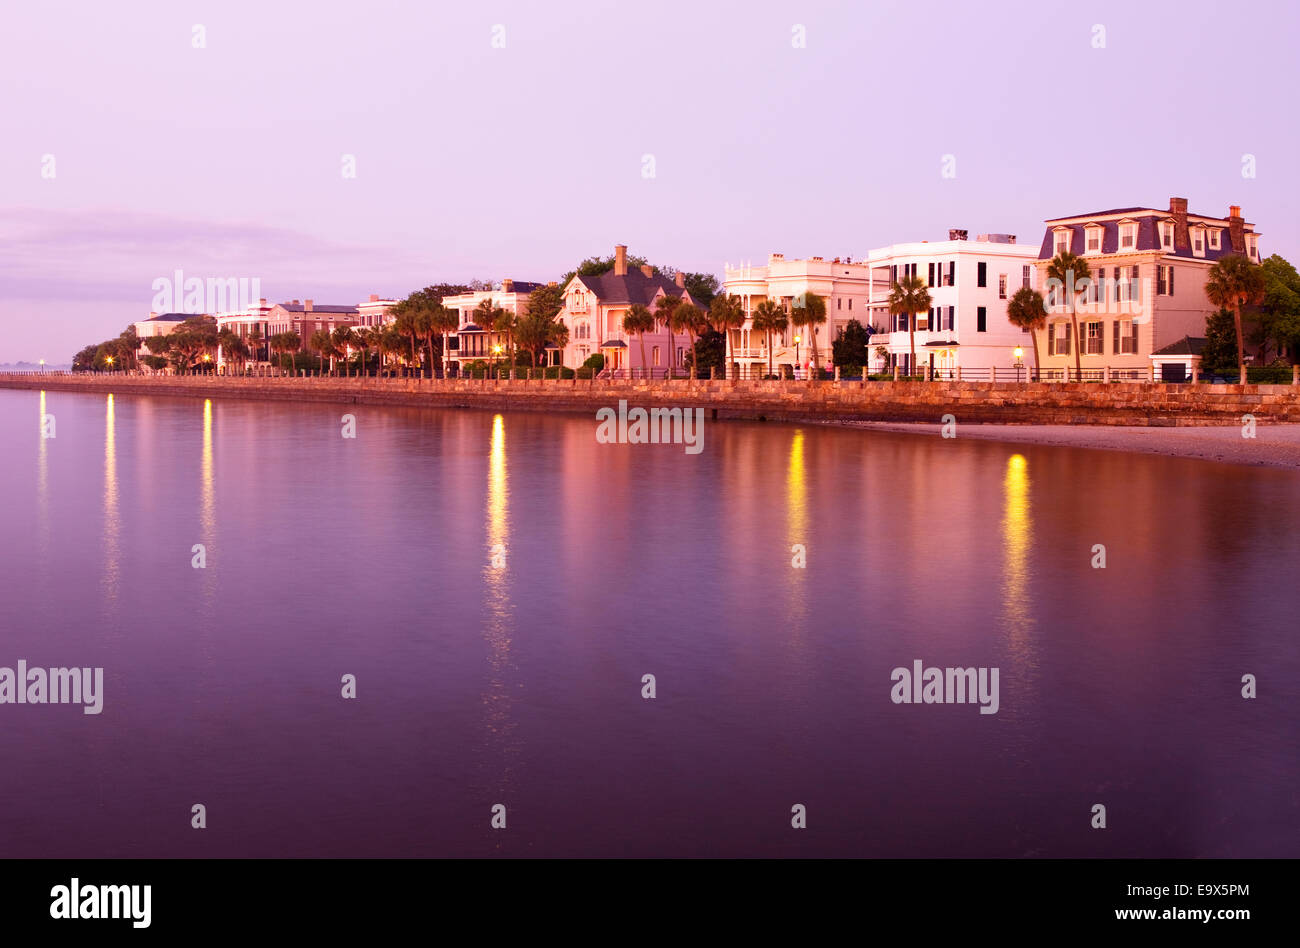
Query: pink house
point(594, 307)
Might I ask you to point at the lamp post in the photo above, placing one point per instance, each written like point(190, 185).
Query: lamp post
point(42, 367)
point(796, 353)
point(1019, 354)
point(496, 351)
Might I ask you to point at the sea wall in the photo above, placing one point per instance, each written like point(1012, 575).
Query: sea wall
point(1049, 403)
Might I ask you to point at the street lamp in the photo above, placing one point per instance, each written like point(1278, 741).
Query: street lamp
point(496, 351)
point(1019, 354)
point(42, 366)
point(796, 352)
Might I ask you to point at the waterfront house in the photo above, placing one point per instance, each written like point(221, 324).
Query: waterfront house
point(594, 307)
point(472, 341)
point(1154, 264)
point(306, 318)
point(156, 324)
point(966, 328)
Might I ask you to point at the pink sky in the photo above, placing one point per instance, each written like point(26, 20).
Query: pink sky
point(474, 161)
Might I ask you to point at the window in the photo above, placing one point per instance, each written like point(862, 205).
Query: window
point(1127, 236)
point(1164, 281)
point(1125, 337)
point(981, 319)
point(952, 273)
point(681, 355)
point(893, 274)
point(1096, 338)
point(1093, 244)
point(1024, 275)
point(1062, 242)
point(930, 274)
point(850, 302)
point(1198, 241)
point(1214, 238)
point(839, 303)
point(654, 354)
point(1252, 247)
point(1167, 235)
point(1002, 286)
point(948, 323)
point(982, 274)
point(1058, 338)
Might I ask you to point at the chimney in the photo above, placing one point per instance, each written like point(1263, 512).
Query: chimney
point(1178, 210)
point(647, 271)
point(293, 303)
point(306, 305)
point(507, 285)
point(620, 260)
point(374, 297)
point(552, 283)
point(681, 279)
point(1236, 229)
point(956, 234)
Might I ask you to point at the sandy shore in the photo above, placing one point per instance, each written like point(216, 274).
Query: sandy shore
point(1272, 446)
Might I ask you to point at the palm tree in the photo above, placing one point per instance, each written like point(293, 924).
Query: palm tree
point(407, 324)
point(909, 297)
point(1235, 282)
point(503, 324)
point(639, 320)
point(364, 339)
point(688, 318)
point(391, 343)
point(445, 321)
point(425, 331)
point(255, 342)
point(727, 313)
point(810, 310)
point(321, 342)
point(1070, 270)
point(663, 311)
point(343, 340)
point(289, 342)
point(1028, 311)
point(769, 317)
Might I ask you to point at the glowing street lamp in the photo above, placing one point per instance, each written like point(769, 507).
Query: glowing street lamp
point(796, 351)
point(42, 365)
point(1019, 353)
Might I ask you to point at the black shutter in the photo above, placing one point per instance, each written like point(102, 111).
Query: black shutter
point(1171, 283)
point(1051, 339)
point(1116, 278)
point(930, 273)
point(982, 274)
point(1115, 323)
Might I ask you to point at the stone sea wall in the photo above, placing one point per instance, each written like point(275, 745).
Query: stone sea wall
point(1049, 403)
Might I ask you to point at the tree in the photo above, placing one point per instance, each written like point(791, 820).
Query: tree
point(1279, 312)
point(392, 342)
point(708, 351)
point(909, 298)
point(688, 318)
point(595, 266)
point(445, 321)
point(1069, 270)
point(1219, 356)
point(809, 310)
point(726, 313)
point(255, 341)
point(233, 347)
point(852, 348)
point(768, 318)
point(638, 320)
point(1233, 283)
point(320, 341)
point(1028, 311)
point(407, 321)
point(703, 287)
point(503, 324)
point(663, 312)
point(343, 340)
point(546, 301)
point(289, 342)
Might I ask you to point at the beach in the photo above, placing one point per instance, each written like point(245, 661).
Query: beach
point(1276, 445)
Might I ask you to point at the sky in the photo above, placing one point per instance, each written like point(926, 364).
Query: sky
point(494, 140)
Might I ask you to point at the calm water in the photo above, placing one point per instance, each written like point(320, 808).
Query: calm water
point(522, 685)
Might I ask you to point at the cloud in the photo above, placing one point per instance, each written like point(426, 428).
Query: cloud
point(113, 256)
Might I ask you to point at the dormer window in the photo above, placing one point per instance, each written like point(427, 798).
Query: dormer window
point(1061, 241)
point(1252, 247)
point(1198, 241)
point(1092, 242)
point(1215, 238)
point(1128, 231)
point(1167, 235)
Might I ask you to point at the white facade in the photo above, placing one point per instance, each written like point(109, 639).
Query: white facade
point(846, 286)
point(970, 283)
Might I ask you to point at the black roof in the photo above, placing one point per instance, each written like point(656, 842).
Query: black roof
point(299, 308)
point(633, 287)
point(1148, 236)
point(1188, 345)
